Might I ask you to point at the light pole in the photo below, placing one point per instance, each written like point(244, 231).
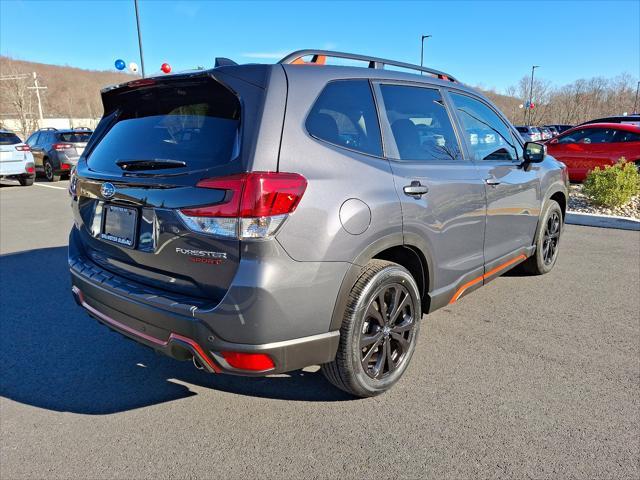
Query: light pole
point(135, 3)
point(531, 92)
point(635, 103)
point(422, 49)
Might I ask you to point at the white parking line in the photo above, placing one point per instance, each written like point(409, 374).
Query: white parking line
point(49, 186)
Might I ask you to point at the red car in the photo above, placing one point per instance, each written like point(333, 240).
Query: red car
point(585, 147)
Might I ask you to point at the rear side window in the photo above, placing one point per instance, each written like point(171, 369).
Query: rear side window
point(74, 137)
point(488, 137)
point(9, 138)
point(522, 129)
point(419, 123)
point(345, 115)
point(195, 122)
point(622, 136)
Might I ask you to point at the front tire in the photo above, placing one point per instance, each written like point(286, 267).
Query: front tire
point(379, 331)
point(50, 173)
point(547, 241)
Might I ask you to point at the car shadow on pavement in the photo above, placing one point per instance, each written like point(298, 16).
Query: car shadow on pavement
point(54, 356)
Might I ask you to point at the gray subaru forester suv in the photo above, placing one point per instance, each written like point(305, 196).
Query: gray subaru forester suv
point(259, 219)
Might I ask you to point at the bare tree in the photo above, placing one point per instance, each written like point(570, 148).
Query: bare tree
point(15, 99)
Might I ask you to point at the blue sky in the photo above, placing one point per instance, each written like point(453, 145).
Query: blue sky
point(492, 44)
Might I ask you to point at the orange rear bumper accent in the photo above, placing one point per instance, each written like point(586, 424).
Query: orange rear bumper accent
point(488, 274)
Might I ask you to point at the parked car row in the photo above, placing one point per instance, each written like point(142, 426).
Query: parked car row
point(530, 133)
point(48, 151)
point(56, 152)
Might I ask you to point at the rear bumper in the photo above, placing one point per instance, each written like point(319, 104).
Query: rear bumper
point(286, 355)
point(182, 328)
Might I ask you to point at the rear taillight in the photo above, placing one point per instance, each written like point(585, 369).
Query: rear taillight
point(58, 147)
point(23, 148)
point(65, 166)
point(256, 205)
point(30, 169)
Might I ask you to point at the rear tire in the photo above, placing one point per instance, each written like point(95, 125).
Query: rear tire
point(379, 331)
point(50, 173)
point(547, 241)
point(26, 181)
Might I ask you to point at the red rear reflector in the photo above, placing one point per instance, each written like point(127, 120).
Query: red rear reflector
point(23, 148)
point(31, 169)
point(65, 166)
point(248, 361)
point(61, 146)
point(255, 194)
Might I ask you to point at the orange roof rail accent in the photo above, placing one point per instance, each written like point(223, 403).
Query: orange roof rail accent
point(315, 60)
point(491, 272)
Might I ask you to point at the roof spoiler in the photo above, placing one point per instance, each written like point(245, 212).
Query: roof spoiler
point(224, 62)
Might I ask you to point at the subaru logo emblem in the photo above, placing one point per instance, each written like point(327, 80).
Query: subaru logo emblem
point(107, 190)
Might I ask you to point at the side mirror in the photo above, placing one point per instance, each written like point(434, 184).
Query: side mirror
point(534, 152)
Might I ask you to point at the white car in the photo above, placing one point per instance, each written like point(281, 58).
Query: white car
point(16, 159)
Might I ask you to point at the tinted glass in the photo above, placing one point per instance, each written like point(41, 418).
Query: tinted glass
point(196, 123)
point(487, 136)
point(622, 136)
point(573, 137)
point(32, 140)
point(419, 123)
point(9, 138)
point(598, 135)
point(345, 115)
point(74, 137)
point(589, 136)
point(522, 129)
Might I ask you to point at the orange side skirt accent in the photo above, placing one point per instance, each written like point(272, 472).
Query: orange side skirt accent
point(491, 272)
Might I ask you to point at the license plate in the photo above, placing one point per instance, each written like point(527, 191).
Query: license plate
point(120, 225)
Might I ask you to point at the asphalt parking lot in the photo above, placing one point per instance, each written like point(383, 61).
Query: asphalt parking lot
point(527, 377)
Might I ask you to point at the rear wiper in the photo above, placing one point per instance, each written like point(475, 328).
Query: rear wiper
point(131, 165)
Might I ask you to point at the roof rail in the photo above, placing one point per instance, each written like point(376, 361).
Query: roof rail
point(49, 128)
point(319, 57)
point(81, 128)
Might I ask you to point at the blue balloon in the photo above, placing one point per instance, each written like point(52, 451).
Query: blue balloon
point(120, 64)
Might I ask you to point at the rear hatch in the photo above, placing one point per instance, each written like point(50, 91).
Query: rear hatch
point(75, 142)
point(156, 141)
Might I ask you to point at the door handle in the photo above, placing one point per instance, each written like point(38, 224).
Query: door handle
point(492, 181)
point(416, 189)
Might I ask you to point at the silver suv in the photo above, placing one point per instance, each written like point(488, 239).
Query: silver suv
point(259, 219)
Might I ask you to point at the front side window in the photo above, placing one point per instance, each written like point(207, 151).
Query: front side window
point(487, 136)
point(419, 123)
point(345, 115)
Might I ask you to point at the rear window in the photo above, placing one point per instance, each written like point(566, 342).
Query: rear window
point(195, 122)
point(74, 137)
point(9, 138)
point(345, 115)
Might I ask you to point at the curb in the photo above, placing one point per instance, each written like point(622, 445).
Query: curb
point(602, 221)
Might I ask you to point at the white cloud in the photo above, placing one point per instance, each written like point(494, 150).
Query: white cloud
point(269, 55)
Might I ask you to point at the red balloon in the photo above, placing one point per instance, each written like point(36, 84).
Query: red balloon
point(166, 68)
